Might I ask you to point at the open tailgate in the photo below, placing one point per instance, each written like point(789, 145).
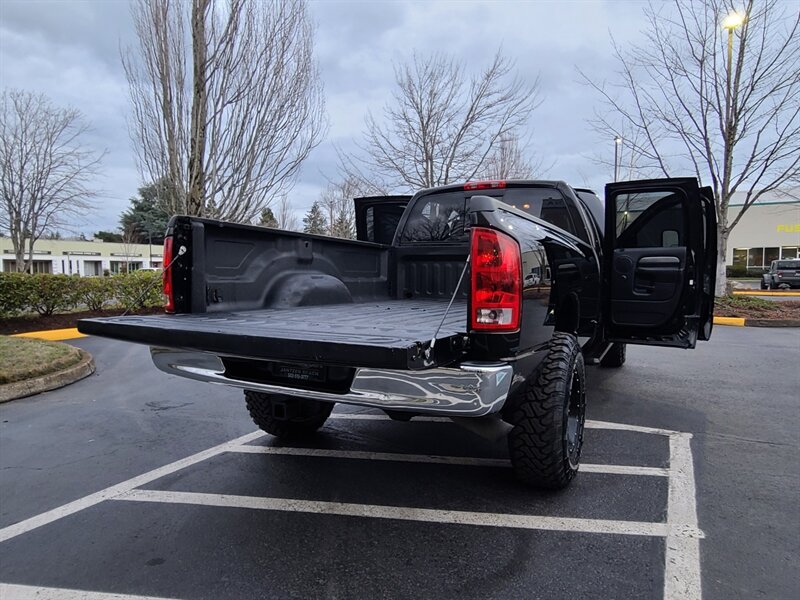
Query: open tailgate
point(388, 335)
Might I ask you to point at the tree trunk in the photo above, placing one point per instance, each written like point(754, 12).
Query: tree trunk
point(722, 249)
point(197, 150)
point(18, 239)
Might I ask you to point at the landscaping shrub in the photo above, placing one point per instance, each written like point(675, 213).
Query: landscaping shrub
point(15, 293)
point(139, 289)
point(95, 292)
point(53, 293)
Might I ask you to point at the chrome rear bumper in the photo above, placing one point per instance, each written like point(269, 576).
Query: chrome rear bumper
point(471, 390)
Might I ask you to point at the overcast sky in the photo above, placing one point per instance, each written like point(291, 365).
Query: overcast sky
point(69, 51)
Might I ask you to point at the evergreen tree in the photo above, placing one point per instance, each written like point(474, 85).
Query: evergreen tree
point(315, 221)
point(343, 227)
point(146, 217)
point(268, 218)
point(109, 236)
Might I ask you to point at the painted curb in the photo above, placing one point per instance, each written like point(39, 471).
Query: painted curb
point(53, 335)
point(741, 322)
point(51, 381)
point(766, 293)
point(733, 321)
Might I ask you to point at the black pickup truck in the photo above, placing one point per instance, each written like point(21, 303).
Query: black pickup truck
point(466, 301)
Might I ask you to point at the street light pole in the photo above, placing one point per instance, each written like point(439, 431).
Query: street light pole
point(617, 144)
point(730, 22)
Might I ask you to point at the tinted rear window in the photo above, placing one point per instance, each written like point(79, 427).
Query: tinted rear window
point(788, 264)
point(440, 217)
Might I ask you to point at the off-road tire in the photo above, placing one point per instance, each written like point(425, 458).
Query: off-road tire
point(286, 417)
point(538, 445)
point(615, 357)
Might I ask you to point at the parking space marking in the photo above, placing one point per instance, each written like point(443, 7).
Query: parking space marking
point(403, 513)
point(681, 532)
point(115, 490)
point(590, 424)
point(682, 565)
point(27, 592)
point(435, 459)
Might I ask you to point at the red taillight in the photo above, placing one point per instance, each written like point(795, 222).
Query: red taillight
point(493, 184)
point(166, 277)
point(496, 300)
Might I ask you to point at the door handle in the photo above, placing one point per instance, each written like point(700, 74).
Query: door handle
point(659, 261)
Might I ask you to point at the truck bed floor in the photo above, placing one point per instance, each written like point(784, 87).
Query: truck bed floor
point(388, 334)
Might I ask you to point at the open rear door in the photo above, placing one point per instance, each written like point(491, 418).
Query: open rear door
point(377, 217)
point(660, 262)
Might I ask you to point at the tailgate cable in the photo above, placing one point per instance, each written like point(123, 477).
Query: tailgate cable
point(181, 252)
point(429, 349)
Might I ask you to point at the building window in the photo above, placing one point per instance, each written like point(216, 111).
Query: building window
point(789, 252)
point(93, 268)
point(771, 254)
point(39, 266)
point(740, 257)
point(121, 266)
point(755, 257)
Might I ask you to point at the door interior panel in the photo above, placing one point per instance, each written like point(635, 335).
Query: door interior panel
point(647, 285)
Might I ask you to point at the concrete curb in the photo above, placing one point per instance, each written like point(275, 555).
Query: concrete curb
point(772, 323)
point(766, 293)
point(51, 381)
point(741, 322)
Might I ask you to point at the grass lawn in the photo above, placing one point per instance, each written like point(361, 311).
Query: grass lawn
point(22, 358)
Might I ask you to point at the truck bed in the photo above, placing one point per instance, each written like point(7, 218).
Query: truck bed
point(389, 334)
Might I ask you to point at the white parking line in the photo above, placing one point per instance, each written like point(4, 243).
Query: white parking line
point(470, 461)
point(590, 424)
point(682, 578)
point(404, 513)
point(67, 509)
point(682, 566)
point(10, 591)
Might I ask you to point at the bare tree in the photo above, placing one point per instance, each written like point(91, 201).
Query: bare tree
point(723, 104)
point(337, 199)
point(509, 161)
point(129, 239)
point(46, 170)
point(229, 120)
point(285, 215)
point(441, 124)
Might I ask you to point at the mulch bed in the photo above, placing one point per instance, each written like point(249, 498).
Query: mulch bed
point(749, 307)
point(63, 321)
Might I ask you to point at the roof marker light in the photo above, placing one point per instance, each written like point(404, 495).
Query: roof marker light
point(490, 184)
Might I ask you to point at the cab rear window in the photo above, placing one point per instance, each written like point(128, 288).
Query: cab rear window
point(788, 264)
point(441, 217)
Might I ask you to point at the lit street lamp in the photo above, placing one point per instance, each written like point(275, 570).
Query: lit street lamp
point(617, 144)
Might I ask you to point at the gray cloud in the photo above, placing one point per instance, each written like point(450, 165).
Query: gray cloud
point(70, 51)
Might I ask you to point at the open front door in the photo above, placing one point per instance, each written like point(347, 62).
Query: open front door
point(660, 262)
point(377, 217)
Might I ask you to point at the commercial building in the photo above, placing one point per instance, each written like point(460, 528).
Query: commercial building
point(768, 231)
point(84, 257)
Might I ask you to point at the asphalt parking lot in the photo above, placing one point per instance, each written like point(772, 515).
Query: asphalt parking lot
point(138, 483)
